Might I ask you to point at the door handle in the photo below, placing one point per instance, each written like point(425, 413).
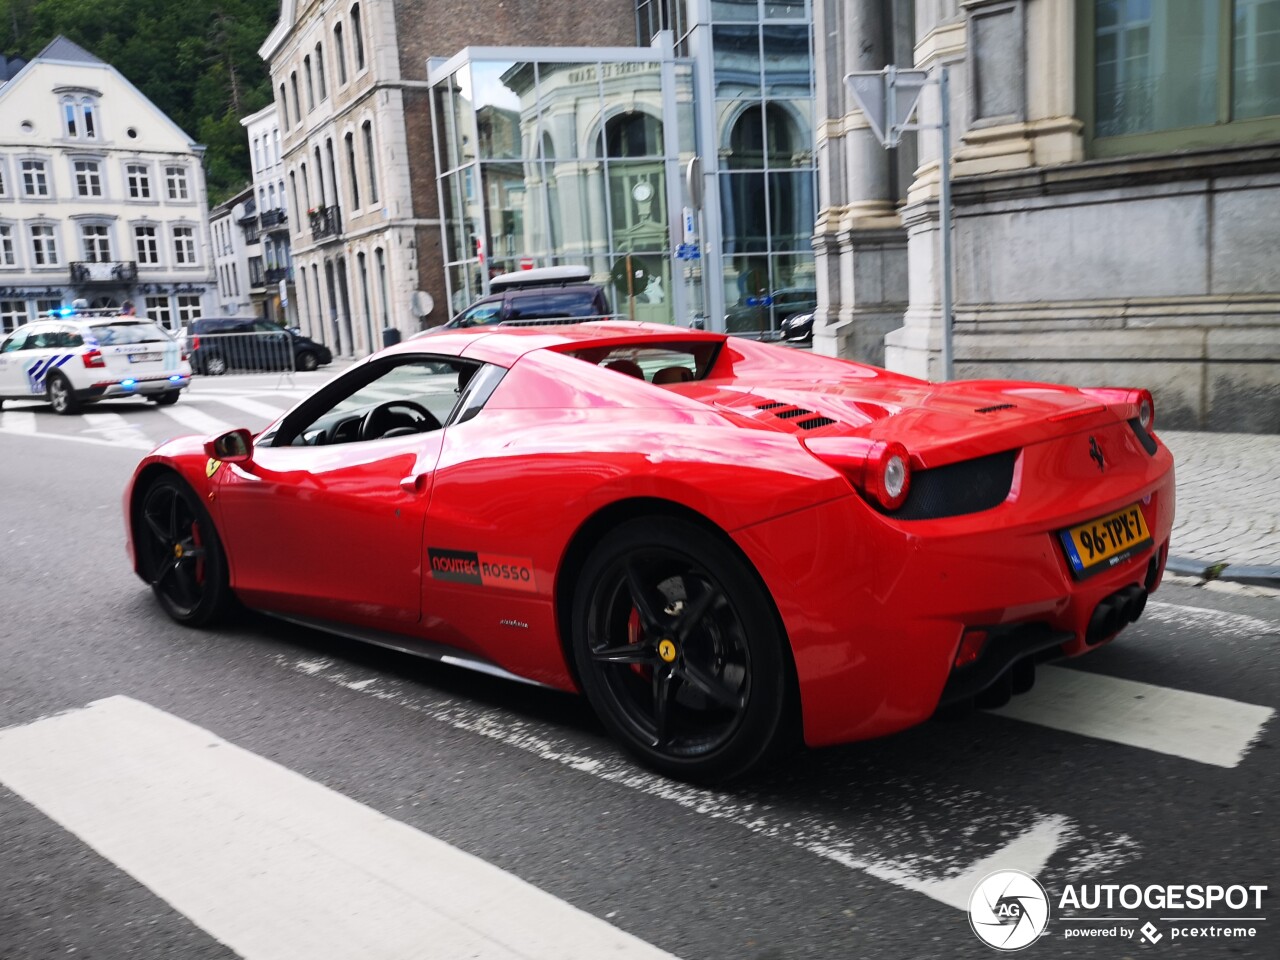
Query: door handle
point(413, 483)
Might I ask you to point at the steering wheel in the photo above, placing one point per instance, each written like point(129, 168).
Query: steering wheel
point(384, 418)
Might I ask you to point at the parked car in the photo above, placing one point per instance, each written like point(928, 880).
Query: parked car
point(769, 314)
point(79, 358)
point(798, 328)
point(720, 542)
point(545, 293)
point(219, 344)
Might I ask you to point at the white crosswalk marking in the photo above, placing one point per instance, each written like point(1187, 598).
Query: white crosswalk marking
point(116, 429)
point(18, 421)
point(257, 408)
point(196, 421)
point(272, 864)
point(1212, 730)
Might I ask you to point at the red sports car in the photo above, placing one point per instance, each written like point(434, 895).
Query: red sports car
point(722, 543)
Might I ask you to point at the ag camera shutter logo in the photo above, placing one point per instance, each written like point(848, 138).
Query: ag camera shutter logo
point(1009, 910)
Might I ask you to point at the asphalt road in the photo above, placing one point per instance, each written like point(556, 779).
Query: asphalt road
point(859, 851)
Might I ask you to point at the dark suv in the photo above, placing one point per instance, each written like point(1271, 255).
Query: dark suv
point(219, 344)
point(549, 293)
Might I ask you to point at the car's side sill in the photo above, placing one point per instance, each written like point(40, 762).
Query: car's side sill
point(414, 646)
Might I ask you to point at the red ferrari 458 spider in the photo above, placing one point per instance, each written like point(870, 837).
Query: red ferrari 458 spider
point(724, 544)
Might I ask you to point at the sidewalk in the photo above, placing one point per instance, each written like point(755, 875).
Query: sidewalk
point(1228, 506)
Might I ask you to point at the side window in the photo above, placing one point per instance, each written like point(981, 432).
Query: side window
point(553, 305)
point(15, 341)
point(482, 314)
point(395, 397)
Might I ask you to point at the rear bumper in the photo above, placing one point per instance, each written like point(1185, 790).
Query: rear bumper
point(134, 387)
point(875, 609)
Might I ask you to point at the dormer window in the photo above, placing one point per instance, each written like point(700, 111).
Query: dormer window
point(79, 117)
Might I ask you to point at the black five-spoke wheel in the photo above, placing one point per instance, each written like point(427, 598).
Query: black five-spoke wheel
point(679, 652)
point(180, 553)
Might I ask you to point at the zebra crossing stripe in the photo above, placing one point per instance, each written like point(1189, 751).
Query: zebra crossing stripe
point(114, 428)
point(18, 421)
point(196, 421)
point(274, 865)
point(257, 408)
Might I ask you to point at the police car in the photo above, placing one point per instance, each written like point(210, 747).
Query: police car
point(75, 358)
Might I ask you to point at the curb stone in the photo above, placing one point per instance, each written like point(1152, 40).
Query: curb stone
point(1258, 575)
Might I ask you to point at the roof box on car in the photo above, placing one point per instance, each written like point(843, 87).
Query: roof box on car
point(539, 277)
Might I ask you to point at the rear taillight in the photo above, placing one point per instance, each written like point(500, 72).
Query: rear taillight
point(92, 359)
point(195, 344)
point(879, 469)
point(1141, 403)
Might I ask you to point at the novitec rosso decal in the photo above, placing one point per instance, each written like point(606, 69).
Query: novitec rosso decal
point(482, 569)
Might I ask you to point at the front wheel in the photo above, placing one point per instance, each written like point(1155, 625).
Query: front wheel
point(679, 651)
point(181, 555)
point(60, 395)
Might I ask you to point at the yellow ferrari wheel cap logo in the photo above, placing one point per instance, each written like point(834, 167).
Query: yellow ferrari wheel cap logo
point(177, 550)
point(667, 651)
point(211, 467)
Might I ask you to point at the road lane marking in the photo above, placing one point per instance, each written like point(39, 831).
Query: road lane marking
point(1221, 621)
point(250, 406)
point(906, 844)
point(1194, 726)
point(274, 865)
point(18, 421)
point(196, 421)
point(114, 428)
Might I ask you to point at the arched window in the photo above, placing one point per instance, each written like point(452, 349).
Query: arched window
point(371, 160)
point(340, 53)
point(357, 36)
point(631, 134)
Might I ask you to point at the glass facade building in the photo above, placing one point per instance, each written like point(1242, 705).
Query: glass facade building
point(681, 173)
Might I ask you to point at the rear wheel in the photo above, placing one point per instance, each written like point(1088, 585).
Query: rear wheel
point(215, 366)
point(167, 398)
point(679, 651)
point(307, 360)
point(58, 390)
point(181, 554)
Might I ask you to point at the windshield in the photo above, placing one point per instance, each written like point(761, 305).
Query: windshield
point(122, 332)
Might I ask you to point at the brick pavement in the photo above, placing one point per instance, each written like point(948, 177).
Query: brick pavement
point(1228, 497)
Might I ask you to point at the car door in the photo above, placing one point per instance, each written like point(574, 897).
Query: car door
point(327, 519)
point(12, 382)
point(273, 347)
point(34, 358)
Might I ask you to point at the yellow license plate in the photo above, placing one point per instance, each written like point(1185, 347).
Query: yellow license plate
point(1101, 544)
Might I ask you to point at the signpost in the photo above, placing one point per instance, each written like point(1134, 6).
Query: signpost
point(888, 99)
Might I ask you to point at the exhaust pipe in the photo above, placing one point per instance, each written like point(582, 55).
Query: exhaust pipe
point(1116, 612)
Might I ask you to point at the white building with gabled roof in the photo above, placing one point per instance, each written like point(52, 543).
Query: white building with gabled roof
point(102, 196)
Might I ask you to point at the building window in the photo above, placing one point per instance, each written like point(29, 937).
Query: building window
point(45, 308)
point(88, 178)
point(351, 170)
point(284, 107)
point(78, 118)
point(44, 245)
point(146, 244)
point(90, 127)
point(69, 118)
point(95, 238)
point(311, 87)
point(188, 309)
point(13, 314)
point(372, 161)
point(184, 246)
point(1161, 69)
point(340, 53)
point(324, 93)
point(159, 311)
point(8, 257)
point(357, 37)
point(175, 179)
point(35, 178)
point(293, 88)
point(4, 180)
point(139, 178)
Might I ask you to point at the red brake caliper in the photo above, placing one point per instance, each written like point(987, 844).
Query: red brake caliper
point(195, 539)
point(634, 632)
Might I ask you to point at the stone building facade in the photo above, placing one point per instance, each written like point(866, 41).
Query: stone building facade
point(1116, 195)
point(351, 93)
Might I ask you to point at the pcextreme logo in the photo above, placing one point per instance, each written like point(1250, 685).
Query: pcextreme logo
point(1009, 910)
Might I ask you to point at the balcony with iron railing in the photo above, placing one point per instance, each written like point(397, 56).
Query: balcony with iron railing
point(276, 274)
point(274, 218)
point(325, 222)
point(104, 271)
